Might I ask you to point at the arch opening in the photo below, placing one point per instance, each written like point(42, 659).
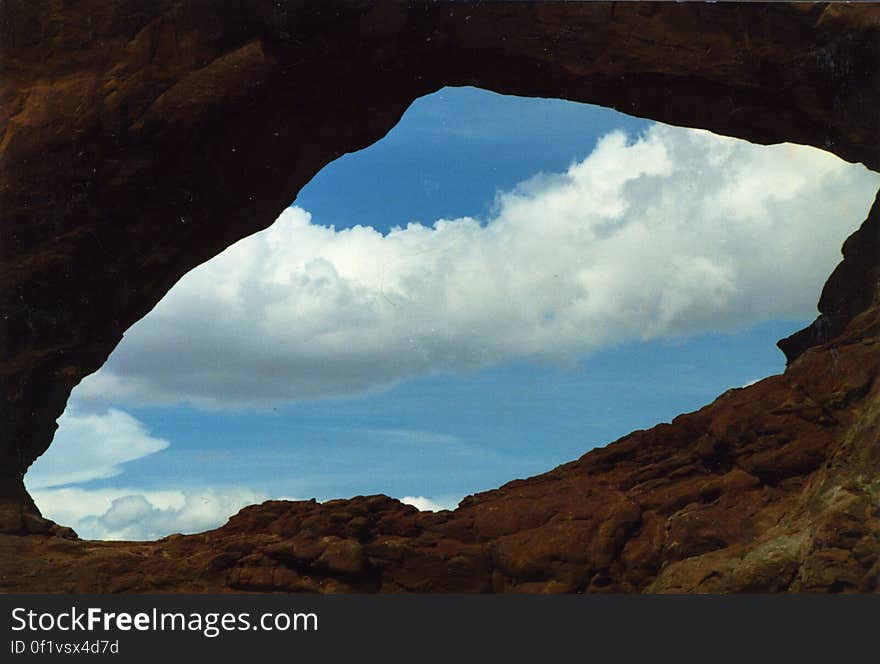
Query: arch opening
point(428, 312)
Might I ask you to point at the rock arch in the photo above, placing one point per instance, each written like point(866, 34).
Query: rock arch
point(129, 129)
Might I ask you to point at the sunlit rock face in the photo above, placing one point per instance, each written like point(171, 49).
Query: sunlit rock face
point(140, 140)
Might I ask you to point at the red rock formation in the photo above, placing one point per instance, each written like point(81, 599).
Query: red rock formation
point(140, 139)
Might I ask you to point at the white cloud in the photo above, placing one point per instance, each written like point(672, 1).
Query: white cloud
point(676, 233)
point(428, 505)
point(91, 446)
point(134, 514)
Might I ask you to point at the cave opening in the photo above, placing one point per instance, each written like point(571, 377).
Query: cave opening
point(496, 287)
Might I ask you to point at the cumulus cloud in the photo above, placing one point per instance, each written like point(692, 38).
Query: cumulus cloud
point(91, 446)
point(674, 233)
point(132, 514)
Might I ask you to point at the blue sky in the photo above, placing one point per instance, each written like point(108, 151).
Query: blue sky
point(437, 360)
point(450, 154)
point(452, 435)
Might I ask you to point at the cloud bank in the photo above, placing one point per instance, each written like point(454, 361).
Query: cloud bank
point(134, 514)
point(675, 233)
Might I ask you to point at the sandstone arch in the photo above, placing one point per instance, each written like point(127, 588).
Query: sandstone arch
point(130, 128)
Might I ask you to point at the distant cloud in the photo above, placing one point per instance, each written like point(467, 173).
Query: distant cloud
point(428, 505)
point(676, 233)
point(91, 446)
point(94, 446)
point(133, 514)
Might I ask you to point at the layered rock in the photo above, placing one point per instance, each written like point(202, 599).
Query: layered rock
point(141, 139)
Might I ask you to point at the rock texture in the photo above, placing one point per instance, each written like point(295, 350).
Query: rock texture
point(139, 139)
